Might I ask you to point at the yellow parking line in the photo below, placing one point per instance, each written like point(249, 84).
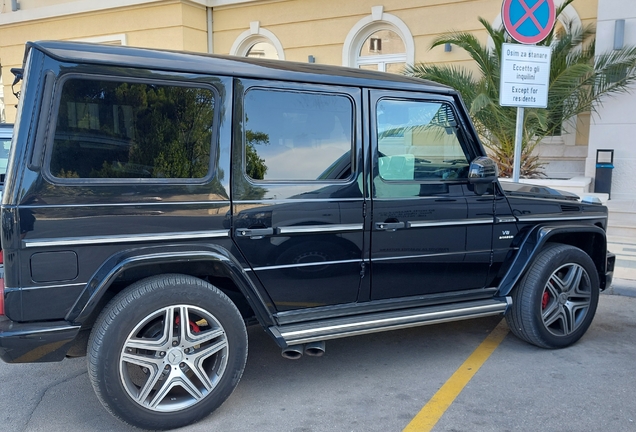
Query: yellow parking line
point(426, 419)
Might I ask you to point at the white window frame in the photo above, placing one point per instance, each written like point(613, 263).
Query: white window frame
point(381, 60)
point(246, 40)
point(378, 20)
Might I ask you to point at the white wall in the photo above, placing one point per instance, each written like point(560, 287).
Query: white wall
point(614, 126)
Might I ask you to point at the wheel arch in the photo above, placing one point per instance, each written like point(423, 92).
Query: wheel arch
point(589, 238)
point(218, 261)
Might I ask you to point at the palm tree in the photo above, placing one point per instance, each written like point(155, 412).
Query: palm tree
point(578, 80)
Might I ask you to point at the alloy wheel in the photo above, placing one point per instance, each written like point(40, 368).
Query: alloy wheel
point(173, 358)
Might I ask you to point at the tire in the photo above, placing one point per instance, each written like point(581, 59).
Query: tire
point(157, 376)
point(555, 302)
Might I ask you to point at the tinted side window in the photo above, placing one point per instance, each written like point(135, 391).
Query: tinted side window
point(109, 129)
point(418, 141)
point(297, 135)
point(5, 146)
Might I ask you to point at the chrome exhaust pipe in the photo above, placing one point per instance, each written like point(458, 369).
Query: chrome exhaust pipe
point(315, 349)
point(293, 352)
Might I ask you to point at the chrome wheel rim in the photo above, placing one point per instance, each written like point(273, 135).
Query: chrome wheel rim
point(566, 299)
point(165, 366)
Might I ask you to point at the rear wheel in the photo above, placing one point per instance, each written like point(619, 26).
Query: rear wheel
point(167, 351)
point(556, 300)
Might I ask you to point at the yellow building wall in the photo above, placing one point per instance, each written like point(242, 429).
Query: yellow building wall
point(34, 4)
point(319, 27)
point(170, 25)
point(304, 27)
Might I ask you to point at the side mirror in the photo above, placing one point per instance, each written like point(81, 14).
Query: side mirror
point(18, 73)
point(482, 172)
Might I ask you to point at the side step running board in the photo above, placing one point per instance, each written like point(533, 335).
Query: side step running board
point(335, 328)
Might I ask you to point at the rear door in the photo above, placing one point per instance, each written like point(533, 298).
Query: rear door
point(421, 218)
point(297, 198)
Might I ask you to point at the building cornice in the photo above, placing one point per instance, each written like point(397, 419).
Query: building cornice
point(87, 6)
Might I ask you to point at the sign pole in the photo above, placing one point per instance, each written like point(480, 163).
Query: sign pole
point(525, 67)
point(516, 169)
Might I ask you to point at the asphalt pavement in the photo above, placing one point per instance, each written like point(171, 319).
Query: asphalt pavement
point(379, 382)
point(622, 287)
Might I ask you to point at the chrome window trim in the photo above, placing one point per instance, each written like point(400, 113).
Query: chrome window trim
point(29, 288)
point(91, 240)
point(298, 201)
point(542, 218)
point(157, 202)
point(510, 219)
point(54, 329)
point(423, 224)
point(306, 229)
point(314, 264)
point(393, 258)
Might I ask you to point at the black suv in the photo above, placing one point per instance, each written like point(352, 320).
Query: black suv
point(158, 202)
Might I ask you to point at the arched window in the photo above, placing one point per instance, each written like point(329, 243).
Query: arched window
point(258, 42)
point(262, 49)
point(379, 41)
point(383, 50)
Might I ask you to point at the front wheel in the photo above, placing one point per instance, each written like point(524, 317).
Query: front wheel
point(555, 302)
point(167, 351)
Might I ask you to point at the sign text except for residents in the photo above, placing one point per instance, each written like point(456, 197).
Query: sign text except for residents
point(525, 76)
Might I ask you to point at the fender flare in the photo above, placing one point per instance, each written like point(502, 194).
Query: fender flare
point(102, 279)
point(534, 241)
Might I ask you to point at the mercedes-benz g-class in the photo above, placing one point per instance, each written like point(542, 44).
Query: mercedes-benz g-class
point(157, 202)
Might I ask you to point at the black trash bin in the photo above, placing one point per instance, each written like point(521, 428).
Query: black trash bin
point(604, 167)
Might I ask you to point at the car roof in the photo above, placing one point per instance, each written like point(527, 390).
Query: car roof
point(81, 52)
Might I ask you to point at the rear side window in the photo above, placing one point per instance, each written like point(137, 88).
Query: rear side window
point(293, 135)
point(118, 130)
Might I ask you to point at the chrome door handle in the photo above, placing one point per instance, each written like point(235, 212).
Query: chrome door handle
point(389, 226)
point(254, 233)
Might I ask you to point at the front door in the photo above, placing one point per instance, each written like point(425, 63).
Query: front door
point(421, 218)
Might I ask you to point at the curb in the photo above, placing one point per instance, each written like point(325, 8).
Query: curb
point(622, 287)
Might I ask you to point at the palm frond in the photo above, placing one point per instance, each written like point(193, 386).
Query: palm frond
point(470, 44)
point(579, 79)
point(458, 78)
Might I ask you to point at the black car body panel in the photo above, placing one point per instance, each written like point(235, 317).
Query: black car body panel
point(375, 235)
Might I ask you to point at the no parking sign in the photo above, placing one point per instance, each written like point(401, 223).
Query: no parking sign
point(528, 21)
point(525, 69)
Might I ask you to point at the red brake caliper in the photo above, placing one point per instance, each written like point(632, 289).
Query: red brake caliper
point(545, 300)
point(193, 326)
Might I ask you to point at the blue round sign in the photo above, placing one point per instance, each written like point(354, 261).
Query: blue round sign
point(528, 21)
